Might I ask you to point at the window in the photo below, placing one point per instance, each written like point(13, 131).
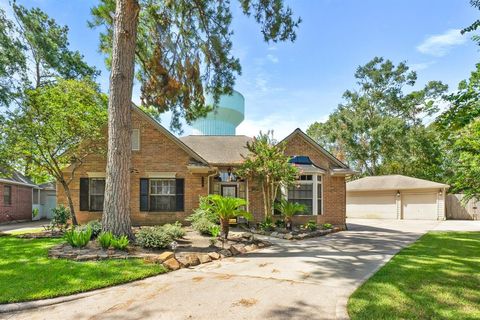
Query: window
point(302, 193)
point(319, 195)
point(7, 195)
point(35, 196)
point(97, 192)
point(135, 139)
point(162, 195)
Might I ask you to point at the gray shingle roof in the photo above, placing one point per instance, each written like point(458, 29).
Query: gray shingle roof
point(392, 182)
point(14, 177)
point(218, 149)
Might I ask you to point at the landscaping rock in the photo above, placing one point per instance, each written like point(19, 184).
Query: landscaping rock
point(87, 257)
point(274, 234)
point(225, 253)
point(172, 264)
point(214, 255)
point(288, 236)
point(164, 256)
point(261, 245)
point(193, 260)
point(237, 249)
point(204, 258)
point(183, 261)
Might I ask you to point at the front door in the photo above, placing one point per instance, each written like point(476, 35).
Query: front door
point(229, 191)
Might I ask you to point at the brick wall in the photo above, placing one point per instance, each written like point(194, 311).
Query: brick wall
point(21, 207)
point(157, 153)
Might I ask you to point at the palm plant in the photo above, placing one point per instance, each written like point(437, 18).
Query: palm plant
point(288, 210)
point(227, 208)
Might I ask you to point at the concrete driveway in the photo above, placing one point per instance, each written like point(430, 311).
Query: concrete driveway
point(291, 280)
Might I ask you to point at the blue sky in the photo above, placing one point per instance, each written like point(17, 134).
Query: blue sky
point(290, 85)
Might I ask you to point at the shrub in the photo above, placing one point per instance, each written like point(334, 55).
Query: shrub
point(35, 212)
point(78, 238)
point(105, 239)
point(175, 230)
point(203, 218)
point(96, 227)
point(153, 237)
point(311, 225)
point(280, 223)
point(267, 224)
point(215, 231)
point(60, 217)
point(327, 226)
point(120, 243)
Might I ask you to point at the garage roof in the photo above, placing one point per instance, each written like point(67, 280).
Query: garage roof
point(392, 182)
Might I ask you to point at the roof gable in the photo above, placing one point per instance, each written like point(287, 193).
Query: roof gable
point(314, 144)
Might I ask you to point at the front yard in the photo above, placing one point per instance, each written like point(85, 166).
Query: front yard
point(435, 278)
point(27, 274)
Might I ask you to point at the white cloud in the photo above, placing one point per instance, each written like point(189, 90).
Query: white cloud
point(421, 66)
point(440, 44)
point(272, 58)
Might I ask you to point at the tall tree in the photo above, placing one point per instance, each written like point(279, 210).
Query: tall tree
point(182, 49)
point(58, 126)
point(269, 167)
point(372, 126)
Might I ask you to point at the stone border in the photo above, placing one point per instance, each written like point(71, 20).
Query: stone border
point(296, 235)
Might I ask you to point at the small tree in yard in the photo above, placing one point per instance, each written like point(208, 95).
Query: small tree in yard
point(227, 208)
point(58, 125)
point(268, 165)
point(288, 210)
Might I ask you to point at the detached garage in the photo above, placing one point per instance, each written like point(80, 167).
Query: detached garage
point(396, 197)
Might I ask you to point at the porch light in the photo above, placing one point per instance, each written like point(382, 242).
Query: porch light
point(398, 193)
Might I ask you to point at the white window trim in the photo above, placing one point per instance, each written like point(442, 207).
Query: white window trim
point(137, 148)
point(150, 193)
point(315, 183)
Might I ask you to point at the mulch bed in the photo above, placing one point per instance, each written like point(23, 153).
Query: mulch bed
point(296, 234)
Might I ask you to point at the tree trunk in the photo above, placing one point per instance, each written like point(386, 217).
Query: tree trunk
point(116, 217)
point(225, 227)
point(66, 188)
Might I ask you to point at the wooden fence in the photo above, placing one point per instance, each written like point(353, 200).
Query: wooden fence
point(456, 210)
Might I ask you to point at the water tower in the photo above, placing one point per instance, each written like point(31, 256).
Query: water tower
point(229, 113)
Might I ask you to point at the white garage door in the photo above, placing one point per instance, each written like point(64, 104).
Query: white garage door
point(371, 206)
point(420, 206)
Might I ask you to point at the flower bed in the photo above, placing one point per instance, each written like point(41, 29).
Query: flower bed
point(296, 234)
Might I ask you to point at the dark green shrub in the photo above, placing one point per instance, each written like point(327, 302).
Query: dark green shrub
point(96, 227)
point(60, 217)
point(175, 230)
point(153, 237)
point(311, 225)
point(280, 223)
point(105, 239)
point(326, 226)
point(267, 224)
point(203, 218)
point(120, 243)
point(78, 238)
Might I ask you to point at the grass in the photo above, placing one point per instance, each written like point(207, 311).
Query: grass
point(27, 274)
point(437, 277)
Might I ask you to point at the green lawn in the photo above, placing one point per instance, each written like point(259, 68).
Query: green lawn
point(437, 277)
point(27, 274)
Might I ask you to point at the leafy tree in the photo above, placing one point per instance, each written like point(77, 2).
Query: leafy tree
point(475, 25)
point(379, 121)
point(58, 126)
point(182, 49)
point(466, 169)
point(288, 210)
point(226, 208)
point(269, 167)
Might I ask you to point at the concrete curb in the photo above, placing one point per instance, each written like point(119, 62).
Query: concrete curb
point(21, 306)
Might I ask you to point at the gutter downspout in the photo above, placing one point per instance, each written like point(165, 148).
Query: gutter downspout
point(215, 172)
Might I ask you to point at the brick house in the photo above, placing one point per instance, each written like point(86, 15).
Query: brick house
point(169, 174)
point(15, 197)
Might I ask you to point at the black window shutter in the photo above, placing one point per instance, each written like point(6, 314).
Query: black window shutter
point(84, 186)
point(180, 198)
point(143, 194)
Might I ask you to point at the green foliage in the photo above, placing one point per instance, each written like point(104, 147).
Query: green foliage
point(78, 238)
point(184, 48)
point(268, 165)
point(215, 231)
point(60, 217)
point(280, 223)
point(326, 226)
point(153, 237)
point(120, 243)
point(226, 208)
point(379, 129)
point(311, 225)
point(289, 209)
point(175, 230)
point(267, 224)
point(95, 226)
point(105, 239)
point(203, 218)
point(35, 213)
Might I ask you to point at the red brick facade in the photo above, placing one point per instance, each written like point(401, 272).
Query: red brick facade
point(20, 208)
point(159, 152)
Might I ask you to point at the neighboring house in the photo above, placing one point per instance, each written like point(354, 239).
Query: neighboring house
point(15, 197)
point(44, 199)
point(169, 174)
point(396, 197)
